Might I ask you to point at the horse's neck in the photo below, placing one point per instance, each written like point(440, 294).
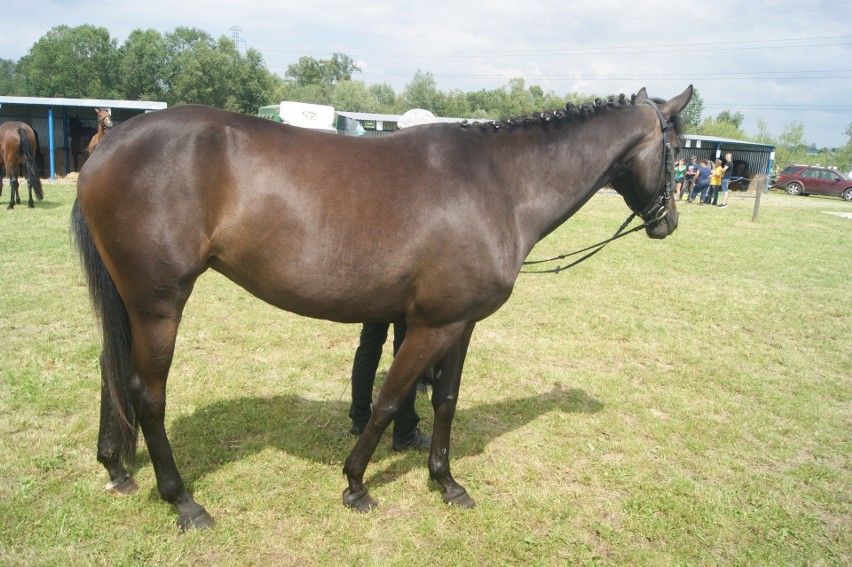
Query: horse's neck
point(568, 165)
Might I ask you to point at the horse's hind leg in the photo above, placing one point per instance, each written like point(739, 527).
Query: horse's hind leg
point(14, 196)
point(153, 347)
point(445, 393)
point(31, 204)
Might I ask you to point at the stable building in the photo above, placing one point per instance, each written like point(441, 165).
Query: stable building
point(752, 161)
point(51, 118)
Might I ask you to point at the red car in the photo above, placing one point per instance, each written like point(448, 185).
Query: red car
point(807, 179)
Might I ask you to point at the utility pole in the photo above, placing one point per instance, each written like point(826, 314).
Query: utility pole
point(235, 35)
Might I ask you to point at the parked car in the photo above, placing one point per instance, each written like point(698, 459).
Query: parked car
point(807, 179)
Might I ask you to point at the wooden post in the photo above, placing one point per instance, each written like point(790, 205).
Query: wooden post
point(757, 191)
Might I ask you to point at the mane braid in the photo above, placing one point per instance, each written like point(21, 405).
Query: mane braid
point(556, 118)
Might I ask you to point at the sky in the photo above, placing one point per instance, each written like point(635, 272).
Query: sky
point(778, 63)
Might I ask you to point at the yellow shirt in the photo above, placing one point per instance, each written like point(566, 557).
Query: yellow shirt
point(716, 176)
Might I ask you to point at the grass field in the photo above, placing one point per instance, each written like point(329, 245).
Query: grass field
point(676, 402)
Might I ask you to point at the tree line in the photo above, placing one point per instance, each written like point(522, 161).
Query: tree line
point(189, 66)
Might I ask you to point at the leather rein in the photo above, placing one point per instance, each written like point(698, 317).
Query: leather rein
point(652, 214)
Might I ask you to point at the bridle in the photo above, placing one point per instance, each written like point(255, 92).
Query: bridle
point(658, 203)
point(105, 121)
point(652, 214)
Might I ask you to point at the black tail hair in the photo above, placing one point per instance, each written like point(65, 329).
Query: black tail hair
point(32, 172)
point(115, 357)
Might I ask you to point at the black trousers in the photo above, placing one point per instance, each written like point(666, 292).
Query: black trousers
point(364, 367)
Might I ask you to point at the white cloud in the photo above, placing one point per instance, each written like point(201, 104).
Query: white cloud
point(755, 57)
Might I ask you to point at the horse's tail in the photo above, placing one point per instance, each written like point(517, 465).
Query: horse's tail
point(115, 357)
point(32, 172)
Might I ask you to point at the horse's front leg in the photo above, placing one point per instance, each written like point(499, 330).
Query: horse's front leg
point(420, 350)
point(445, 393)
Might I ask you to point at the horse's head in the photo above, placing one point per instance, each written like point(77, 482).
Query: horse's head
point(104, 118)
point(646, 179)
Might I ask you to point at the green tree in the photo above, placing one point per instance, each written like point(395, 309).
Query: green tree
point(792, 147)
point(793, 136)
point(11, 84)
point(312, 93)
point(71, 62)
point(386, 98)
point(720, 129)
point(326, 72)
point(691, 115)
point(200, 70)
point(487, 104)
point(197, 70)
point(142, 66)
point(735, 118)
point(354, 96)
point(255, 85)
point(763, 136)
point(421, 92)
point(519, 99)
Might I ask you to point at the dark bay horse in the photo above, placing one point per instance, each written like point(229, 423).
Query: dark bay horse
point(327, 227)
point(18, 146)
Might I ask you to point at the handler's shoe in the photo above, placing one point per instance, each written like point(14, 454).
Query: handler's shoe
point(418, 442)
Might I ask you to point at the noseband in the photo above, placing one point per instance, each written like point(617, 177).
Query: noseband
point(102, 120)
point(652, 214)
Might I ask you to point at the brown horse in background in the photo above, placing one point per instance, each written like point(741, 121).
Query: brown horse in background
point(18, 145)
point(83, 138)
point(323, 226)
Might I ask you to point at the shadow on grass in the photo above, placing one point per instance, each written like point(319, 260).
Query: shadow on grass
point(4, 200)
point(228, 431)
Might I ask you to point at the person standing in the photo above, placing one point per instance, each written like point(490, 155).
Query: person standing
point(689, 177)
point(406, 435)
point(727, 170)
point(715, 183)
point(679, 172)
point(702, 183)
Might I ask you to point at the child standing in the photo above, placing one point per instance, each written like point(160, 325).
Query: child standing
point(679, 172)
point(715, 184)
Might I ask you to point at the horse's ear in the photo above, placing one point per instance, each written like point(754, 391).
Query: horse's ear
point(642, 94)
point(674, 106)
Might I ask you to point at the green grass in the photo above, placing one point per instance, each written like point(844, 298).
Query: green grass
point(676, 402)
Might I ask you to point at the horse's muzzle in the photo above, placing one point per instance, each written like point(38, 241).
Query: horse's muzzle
point(666, 225)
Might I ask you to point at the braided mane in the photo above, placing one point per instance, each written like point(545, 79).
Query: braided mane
point(569, 113)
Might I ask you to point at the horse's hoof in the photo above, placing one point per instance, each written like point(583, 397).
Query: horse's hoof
point(200, 521)
point(124, 487)
point(360, 501)
point(461, 499)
